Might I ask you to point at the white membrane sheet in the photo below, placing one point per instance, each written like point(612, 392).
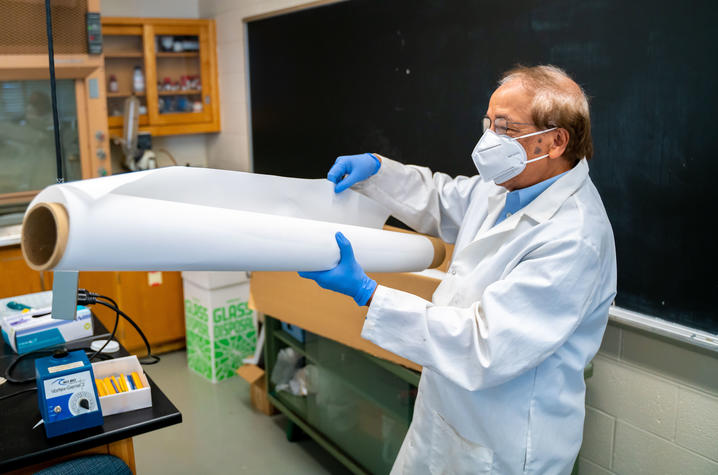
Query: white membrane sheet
point(182, 218)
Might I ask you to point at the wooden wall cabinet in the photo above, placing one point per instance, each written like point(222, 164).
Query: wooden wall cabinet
point(178, 61)
point(16, 278)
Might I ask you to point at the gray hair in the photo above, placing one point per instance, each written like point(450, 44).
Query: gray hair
point(557, 102)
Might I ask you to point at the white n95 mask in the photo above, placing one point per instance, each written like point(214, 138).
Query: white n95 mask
point(500, 157)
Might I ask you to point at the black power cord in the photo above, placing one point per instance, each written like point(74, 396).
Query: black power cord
point(17, 393)
point(154, 358)
point(9, 369)
point(112, 335)
point(85, 297)
point(43, 351)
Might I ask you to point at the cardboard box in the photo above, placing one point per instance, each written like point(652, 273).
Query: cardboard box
point(257, 379)
point(221, 328)
point(301, 302)
point(34, 329)
point(215, 280)
point(129, 400)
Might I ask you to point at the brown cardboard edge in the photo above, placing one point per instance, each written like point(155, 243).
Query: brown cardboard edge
point(250, 373)
point(28, 239)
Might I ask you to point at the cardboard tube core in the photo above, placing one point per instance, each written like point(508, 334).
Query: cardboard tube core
point(44, 235)
point(439, 252)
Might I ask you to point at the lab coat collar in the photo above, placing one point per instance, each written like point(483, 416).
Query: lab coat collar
point(496, 204)
point(540, 210)
point(547, 203)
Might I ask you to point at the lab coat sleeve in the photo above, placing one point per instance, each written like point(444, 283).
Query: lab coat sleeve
point(513, 326)
point(429, 203)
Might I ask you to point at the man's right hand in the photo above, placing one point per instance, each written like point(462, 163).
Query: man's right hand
point(350, 169)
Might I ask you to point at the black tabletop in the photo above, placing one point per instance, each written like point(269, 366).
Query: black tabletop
point(20, 445)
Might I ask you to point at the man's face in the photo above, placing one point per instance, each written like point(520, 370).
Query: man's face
point(512, 102)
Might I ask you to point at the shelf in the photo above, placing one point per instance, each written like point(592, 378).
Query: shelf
point(353, 375)
point(325, 442)
point(143, 118)
point(360, 372)
point(131, 43)
point(183, 54)
point(409, 375)
point(180, 93)
point(298, 404)
point(294, 343)
point(124, 94)
point(124, 54)
point(347, 390)
point(178, 113)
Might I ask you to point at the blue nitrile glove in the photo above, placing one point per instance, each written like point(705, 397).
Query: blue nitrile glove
point(350, 169)
point(347, 277)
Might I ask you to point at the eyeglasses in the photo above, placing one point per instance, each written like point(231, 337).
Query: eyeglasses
point(501, 125)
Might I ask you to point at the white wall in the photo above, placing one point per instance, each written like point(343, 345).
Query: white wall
point(186, 149)
point(150, 8)
point(652, 403)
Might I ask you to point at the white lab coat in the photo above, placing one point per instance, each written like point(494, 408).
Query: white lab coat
point(508, 332)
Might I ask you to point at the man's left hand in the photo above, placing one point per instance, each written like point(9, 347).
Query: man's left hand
point(347, 277)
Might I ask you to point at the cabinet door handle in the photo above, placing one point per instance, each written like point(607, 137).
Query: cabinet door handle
point(206, 99)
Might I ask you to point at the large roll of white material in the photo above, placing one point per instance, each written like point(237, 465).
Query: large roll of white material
point(182, 218)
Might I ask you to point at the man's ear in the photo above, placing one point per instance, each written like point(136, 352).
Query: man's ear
point(559, 144)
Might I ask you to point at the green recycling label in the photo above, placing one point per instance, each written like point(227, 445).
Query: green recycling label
point(217, 346)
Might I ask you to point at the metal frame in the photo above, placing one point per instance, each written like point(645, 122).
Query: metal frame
point(274, 333)
point(664, 328)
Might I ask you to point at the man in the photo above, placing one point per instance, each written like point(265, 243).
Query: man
point(523, 308)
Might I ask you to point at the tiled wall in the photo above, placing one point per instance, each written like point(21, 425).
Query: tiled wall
point(231, 148)
point(652, 404)
point(651, 407)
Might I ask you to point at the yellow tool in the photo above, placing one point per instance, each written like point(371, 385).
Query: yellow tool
point(110, 386)
point(118, 386)
point(100, 387)
point(123, 383)
point(136, 379)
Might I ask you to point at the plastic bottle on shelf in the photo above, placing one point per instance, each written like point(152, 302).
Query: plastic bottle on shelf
point(167, 43)
point(113, 86)
point(138, 80)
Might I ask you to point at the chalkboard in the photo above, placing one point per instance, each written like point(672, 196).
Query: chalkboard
point(411, 79)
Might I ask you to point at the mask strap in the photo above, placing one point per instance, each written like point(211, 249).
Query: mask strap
point(535, 133)
point(532, 134)
point(537, 158)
